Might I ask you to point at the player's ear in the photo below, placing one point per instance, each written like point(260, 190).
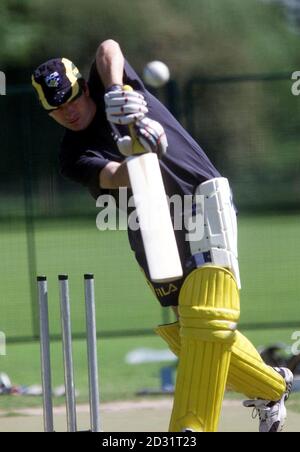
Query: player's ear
point(85, 87)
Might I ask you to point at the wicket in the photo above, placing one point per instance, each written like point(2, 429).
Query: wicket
point(67, 353)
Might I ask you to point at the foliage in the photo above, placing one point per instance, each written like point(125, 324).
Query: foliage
point(192, 35)
point(250, 131)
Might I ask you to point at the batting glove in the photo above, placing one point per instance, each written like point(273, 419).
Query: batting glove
point(146, 136)
point(123, 106)
point(151, 135)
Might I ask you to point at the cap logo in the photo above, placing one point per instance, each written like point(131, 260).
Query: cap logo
point(52, 80)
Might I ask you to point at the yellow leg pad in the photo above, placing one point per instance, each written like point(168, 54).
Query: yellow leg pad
point(171, 335)
point(208, 311)
point(248, 374)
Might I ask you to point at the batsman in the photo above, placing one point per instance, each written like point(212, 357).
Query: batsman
point(212, 352)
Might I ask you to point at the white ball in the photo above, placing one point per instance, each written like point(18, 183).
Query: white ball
point(156, 74)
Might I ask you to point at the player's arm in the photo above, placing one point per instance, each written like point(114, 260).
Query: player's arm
point(121, 106)
point(114, 175)
point(110, 63)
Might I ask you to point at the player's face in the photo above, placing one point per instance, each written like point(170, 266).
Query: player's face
point(77, 114)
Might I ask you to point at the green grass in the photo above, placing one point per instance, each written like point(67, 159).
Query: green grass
point(118, 380)
point(269, 261)
point(269, 250)
point(74, 248)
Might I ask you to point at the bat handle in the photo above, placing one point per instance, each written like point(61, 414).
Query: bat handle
point(122, 130)
point(138, 148)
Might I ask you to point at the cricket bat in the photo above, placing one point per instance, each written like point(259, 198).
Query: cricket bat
point(154, 217)
point(153, 212)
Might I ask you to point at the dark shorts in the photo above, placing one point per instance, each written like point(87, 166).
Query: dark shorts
point(168, 293)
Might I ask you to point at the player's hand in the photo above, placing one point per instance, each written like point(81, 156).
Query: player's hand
point(151, 135)
point(124, 106)
point(146, 136)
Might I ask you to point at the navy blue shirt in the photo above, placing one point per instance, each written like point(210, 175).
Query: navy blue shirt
point(84, 154)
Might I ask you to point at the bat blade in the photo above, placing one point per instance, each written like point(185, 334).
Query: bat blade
point(154, 218)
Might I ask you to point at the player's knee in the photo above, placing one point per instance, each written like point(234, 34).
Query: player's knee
point(209, 305)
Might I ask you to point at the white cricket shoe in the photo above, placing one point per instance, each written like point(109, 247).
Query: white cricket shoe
point(272, 415)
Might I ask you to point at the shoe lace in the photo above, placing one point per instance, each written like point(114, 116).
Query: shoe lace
point(261, 412)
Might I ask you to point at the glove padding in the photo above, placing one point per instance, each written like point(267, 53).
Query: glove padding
point(147, 135)
point(124, 107)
